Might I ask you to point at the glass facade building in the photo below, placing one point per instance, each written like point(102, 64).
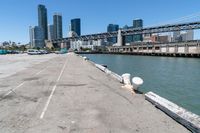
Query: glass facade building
point(42, 19)
point(36, 37)
point(57, 26)
point(112, 28)
point(127, 39)
point(138, 23)
point(76, 26)
point(50, 32)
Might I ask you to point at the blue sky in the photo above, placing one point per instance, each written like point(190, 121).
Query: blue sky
point(17, 15)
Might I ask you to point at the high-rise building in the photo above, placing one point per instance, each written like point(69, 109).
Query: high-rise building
point(36, 37)
point(42, 19)
point(138, 23)
point(112, 28)
point(129, 38)
point(50, 32)
point(76, 26)
point(57, 26)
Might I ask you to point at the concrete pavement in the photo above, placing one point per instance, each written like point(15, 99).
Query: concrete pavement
point(68, 94)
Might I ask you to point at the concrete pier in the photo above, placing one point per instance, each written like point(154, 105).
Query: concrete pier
point(68, 94)
point(176, 49)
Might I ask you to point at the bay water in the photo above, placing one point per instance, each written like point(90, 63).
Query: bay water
point(176, 79)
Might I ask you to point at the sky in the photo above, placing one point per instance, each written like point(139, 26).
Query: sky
point(17, 15)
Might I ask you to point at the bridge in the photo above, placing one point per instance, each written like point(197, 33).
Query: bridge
point(133, 31)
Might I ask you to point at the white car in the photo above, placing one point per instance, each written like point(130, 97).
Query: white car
point(33, 52)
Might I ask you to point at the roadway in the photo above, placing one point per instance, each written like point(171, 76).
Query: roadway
point(67, 94)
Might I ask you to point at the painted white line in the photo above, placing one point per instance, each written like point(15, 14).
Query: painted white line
point(52, 92)
point(61, 72)
point(41, 71)
point(12, 90)
point(48, 101)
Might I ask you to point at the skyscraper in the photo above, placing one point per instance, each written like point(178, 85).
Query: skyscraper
point(112, 28)
point(129, 38)
point(50, 32)
point(36, 37)
point(42, 19)
point(76, 26)
point(57, 26)
point(137, 23)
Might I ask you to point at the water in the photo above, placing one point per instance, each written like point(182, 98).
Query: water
point(177, 79)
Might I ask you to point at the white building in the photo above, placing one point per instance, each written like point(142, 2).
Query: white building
point(187, 35)
point(77, 45)
point(183, 36)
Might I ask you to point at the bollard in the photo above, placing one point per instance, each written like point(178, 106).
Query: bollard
point(126, 79)
point(137, 82)
point(85, 58)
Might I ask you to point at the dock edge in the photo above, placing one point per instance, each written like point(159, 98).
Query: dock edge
point(181, 115)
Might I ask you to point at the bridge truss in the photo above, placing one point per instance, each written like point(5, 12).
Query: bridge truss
point(134, 31)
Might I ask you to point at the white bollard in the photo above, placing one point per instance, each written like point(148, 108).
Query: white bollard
point(126, 79)
point(85, 58)
point(137, 82)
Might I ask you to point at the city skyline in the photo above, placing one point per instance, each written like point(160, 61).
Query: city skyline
point(91, 23)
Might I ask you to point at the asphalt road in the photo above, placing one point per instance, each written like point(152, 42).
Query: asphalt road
point(67, 94)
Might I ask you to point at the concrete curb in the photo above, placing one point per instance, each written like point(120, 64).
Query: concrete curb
point(109, 72)
point(104, 69)
point(181, 115)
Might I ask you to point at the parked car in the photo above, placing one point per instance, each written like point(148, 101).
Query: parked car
point(43, 52)
point(33, 52)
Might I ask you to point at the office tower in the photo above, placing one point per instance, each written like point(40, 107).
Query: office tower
point(57, 26)
point(42, 19)
point(112, 28)
point(50, 32)
point(76, 26)
point(138, 23)
point(36, 37)
point(129, 38)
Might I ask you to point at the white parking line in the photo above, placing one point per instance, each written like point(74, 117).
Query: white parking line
point(41, 71)
point(12, 90)
point(52, 92)
point(48, 101)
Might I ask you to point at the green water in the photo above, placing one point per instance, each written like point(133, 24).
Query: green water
point(177, 79)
